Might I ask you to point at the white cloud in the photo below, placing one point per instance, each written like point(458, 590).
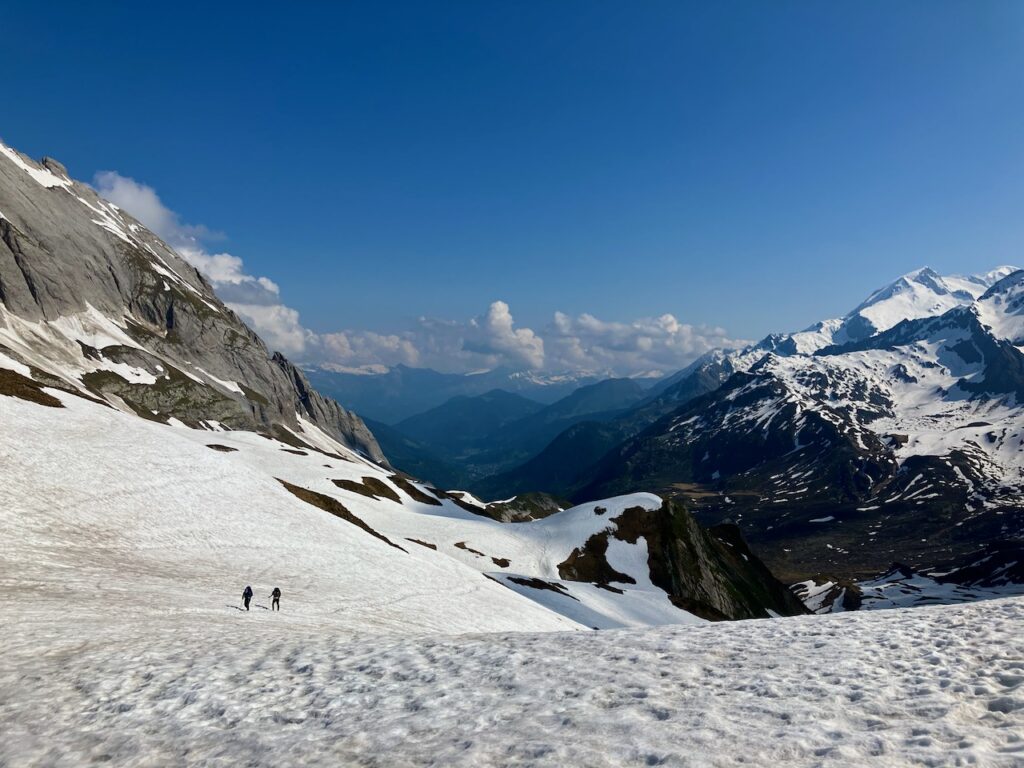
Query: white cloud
point(495, 337)
point(278, 325)
point(584, 342)
point(369, 348)
point(490, 340)
point(142, 202)
point(652, 343)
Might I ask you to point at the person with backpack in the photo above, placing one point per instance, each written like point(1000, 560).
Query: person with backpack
point(247, 596)
point(275, 604)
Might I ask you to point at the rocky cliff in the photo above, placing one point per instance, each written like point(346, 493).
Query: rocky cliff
point(93, 302)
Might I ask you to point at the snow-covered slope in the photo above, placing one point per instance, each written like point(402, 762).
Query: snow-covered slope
point(917, 294)
point(105, 507)
point(932, 686)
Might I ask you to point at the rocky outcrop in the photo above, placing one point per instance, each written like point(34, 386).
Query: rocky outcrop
point(91, 298)
point(708, 572)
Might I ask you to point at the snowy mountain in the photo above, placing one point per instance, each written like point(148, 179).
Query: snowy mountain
point(152, 444)
point(92, 302)
point(994, 572)
point(859, 442)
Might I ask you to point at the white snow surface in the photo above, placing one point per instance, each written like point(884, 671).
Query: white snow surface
point(934, 686)
point(126, 544)
point(91, 495)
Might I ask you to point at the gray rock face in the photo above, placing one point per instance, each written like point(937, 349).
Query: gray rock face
point(709, 572)
point(93, 301)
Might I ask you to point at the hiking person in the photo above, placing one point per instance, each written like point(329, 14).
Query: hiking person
point(247, 596)
point(275, 603)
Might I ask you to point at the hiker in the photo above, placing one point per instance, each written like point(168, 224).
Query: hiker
point(247, 596)
point(275, 604)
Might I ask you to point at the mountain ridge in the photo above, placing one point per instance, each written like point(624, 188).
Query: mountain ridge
point(105, 308)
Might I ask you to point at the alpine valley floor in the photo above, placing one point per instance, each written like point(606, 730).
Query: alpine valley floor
point(930, 686)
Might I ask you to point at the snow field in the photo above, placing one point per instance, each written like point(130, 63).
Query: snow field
point(152, 510)
point(104, 513)
point(935, 686)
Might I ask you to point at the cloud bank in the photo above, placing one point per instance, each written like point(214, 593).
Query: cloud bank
point(581, 343)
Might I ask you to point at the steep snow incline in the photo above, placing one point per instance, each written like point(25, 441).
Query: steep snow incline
point(925, 687)
point(922, 293)
point(94, 500)
point(105, 514)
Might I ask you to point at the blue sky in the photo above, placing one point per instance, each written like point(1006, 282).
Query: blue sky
point(748, 166)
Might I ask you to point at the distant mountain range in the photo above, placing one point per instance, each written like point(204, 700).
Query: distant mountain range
point(466, 439)
point(891, 433)
point(390, 395)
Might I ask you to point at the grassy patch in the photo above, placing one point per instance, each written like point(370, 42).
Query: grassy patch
point(382, 489)
point(14, 384)
point(286, 437)
point(371, 487)
point(336, 508)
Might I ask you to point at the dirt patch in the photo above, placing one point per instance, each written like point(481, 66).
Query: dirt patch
point(463, 545)
point(221, 448)
point(295, 451)
point(526, 507)
point(541, 584)
point(382, 489)
point(14, 384)
point(336, 508)
point(46, 379)
point(371, 487)
point(426, 544)
point(501, 562)
point(413, 492)
point(278, 432)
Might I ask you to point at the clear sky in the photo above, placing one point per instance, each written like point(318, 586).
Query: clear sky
point(748, 166)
